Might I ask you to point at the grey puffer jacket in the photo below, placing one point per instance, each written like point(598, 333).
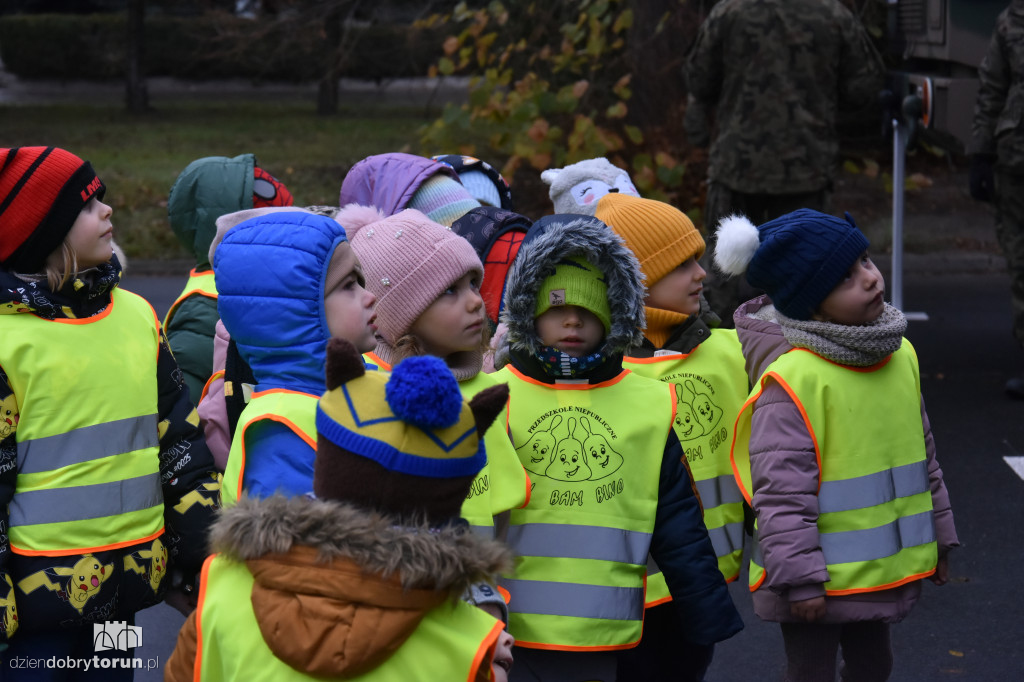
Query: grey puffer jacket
point(784, 473)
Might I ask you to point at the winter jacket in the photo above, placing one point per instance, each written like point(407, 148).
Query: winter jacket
point(213, 411)
point(130, 578)
point(276, 319)
point(207, 189)
point(786, 497)
point(388, 181)
point(998, 126)
point(679, 542)
point(350, 581)
point(775, 74)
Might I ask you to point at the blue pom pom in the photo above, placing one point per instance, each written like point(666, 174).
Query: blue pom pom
point(423, 392)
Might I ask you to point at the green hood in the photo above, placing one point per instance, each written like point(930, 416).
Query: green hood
point(207, 189)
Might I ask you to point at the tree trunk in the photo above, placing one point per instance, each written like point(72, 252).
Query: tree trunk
point(327, 94)
point(656, 59)
point(136, 93)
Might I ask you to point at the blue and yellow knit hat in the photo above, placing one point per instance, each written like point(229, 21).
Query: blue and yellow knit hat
point(405, 444)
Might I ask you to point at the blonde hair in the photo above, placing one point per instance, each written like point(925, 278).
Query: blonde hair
point(409, 345)
point(57, 275)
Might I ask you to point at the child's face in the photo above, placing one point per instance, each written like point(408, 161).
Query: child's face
point(571, 329)
point(455, 321)
point(502, 663)
point(679, 291)
point(90, 236)
point(858, 299)
point(348, 307)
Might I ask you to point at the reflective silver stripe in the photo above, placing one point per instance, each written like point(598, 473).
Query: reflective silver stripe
point(756, 557)
point(714, 492)
point(569, 599)
point(78, 503)
point(873, 489)
point(727, 539)
point(482, 531)
point(869, 544)
point(87, 443)
point(580, 542)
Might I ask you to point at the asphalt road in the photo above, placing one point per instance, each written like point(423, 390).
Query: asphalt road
point(970, 629)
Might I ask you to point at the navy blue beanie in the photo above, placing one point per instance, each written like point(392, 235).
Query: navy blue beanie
point(798, 259)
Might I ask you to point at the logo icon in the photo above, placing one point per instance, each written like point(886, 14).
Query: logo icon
point(116, 635)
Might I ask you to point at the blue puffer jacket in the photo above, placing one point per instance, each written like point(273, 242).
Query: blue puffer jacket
point(270, 273)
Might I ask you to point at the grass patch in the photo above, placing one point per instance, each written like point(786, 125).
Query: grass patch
point(139, 158)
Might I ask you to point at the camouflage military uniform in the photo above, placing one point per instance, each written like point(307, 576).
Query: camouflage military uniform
point(774, 74)
point(998, 130)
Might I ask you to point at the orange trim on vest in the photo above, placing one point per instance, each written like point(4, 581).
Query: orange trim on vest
point(860, 590)
point(197, 670)
point(757, 585)
point(85, 320)
point(86, 550)
point(274, 418)
point(529, 492)
point(563, 647)
point(654, 359)
point(219, 374)
point(377, 361)
point(574, 387)
point(487, 646)
point(803, 415)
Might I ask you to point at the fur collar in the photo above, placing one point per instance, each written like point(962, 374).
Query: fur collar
point(553, 239)
point(448, 559)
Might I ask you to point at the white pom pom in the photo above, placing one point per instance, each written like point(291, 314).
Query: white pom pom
point(354, 217)
point(737, 241)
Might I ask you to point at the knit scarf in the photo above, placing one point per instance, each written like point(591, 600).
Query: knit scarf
point(661, 324)
point(82, 296)
point(564, 366)
point(857, 346)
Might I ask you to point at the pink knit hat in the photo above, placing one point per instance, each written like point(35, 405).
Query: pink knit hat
point(408, 260)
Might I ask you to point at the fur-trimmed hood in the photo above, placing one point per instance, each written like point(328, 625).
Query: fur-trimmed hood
point(355, 584)
point(555, 238)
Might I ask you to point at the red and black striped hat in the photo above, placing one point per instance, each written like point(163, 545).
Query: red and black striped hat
point(42, 191)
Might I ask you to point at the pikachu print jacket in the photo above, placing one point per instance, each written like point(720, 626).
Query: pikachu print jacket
point(71, 588)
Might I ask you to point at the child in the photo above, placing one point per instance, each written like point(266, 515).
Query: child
point(833, 448)
point(492, 600)
point(106, 485)
point(207, 189)
point(362, 579)
point(706, 368)
point(394, 182)
point(496, 234)
point(480, 179)
point(611, 483)
point(289, 281)
point(427, 282)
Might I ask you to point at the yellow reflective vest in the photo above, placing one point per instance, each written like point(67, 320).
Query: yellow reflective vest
point(710, 386)
point(875, 521)
point(294, 409)
point(88, 444)
point(503, 483)
point(450, 643)
point(584, 536)
point(200, 284)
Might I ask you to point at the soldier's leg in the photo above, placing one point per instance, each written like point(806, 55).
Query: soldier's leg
point(1010, 232)
point(723, 293)
point(780, 204)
